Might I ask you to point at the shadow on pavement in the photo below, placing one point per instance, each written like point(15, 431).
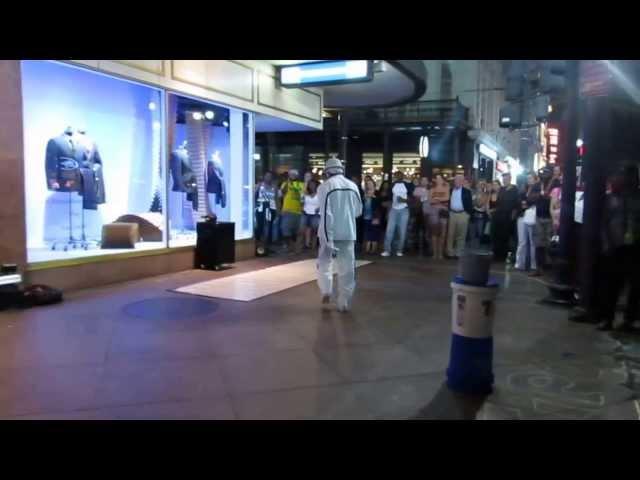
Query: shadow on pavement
point(449, 405)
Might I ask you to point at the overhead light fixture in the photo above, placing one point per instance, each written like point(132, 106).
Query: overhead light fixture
point(437, 127)
point(209, 114)
point(325, 73)
point(423, 146)
point(460, 166)
point(152, 106)
point(197, 116)
point(225, 123)
point(579, 143)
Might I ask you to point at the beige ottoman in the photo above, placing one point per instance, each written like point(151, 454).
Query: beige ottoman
point(120, 235)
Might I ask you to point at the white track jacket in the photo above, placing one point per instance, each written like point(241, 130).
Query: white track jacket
point(340, 205)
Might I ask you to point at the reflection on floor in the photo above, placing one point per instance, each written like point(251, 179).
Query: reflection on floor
point(36, 255)
point(147, 353)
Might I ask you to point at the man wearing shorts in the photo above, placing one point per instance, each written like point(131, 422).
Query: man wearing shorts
point(291, 193)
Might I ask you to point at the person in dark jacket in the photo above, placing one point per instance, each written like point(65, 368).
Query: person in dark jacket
point(621, 249)
point(503, 222)
point(460, 211)
point(359, 221)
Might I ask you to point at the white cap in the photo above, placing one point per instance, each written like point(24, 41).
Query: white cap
point(334, 165)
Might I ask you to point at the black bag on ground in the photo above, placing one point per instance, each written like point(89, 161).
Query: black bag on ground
point(37, 295)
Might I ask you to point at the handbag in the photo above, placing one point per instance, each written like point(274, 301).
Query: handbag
point(530, 215)
point(487, 228)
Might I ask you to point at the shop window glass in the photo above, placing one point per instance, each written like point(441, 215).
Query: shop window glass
point(93, 150)
point(209, 167)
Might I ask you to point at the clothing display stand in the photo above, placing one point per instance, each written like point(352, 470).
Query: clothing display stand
point(74, 243)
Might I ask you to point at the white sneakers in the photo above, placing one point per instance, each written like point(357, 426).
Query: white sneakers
point(326, 300)
point(399, 254)
point(385, 254)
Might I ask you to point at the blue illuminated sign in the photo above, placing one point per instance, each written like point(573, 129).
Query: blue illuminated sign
point(332, 72)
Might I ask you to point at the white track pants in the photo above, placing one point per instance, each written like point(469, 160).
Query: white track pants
point(344, 264)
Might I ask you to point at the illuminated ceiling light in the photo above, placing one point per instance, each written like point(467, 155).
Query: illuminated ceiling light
point(152, 106)
point(225, 123)
point(579, 143)
point(459, 166)
point(436, 127)
point(209, 114)
point(423, 146)
point(197, 116)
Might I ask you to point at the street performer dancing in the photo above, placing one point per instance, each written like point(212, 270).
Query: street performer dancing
point(340, 205)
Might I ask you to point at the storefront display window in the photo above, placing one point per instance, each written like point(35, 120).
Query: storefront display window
point(93, 150)
point(210, 168)
point(100, 178)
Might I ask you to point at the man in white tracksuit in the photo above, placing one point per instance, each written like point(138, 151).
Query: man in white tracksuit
point(340, 205)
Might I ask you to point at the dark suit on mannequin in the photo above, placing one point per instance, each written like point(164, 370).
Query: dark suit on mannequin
point(184, 180)
point(215, 183)
point(62, 164)
point(93, 191)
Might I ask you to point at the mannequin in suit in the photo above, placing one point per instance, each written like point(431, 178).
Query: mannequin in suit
point(215, 179)
point(91, 174)
point(62, 162)
point(184, 179)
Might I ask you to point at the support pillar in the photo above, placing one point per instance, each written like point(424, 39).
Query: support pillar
point(13, 247)
point(387, 155)
point(343, 132)
point(598, 150)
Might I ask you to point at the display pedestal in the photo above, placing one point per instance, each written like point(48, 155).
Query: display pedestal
point(215, 245)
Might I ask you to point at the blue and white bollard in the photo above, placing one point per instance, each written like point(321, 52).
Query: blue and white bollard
point(471, 358)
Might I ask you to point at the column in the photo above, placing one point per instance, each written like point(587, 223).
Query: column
point(354, 165)
point(387, 154)
point(597, 138)
point(13, 247)
point(343, 132)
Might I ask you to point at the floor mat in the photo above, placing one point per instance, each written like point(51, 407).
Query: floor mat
point(250, 286)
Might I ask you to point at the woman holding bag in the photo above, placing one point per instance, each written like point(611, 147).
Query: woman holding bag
point(529, 219)
point(526, 227)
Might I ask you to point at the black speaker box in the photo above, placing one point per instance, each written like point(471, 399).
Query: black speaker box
point(215, 245)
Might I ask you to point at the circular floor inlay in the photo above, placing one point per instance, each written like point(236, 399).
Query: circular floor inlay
point(166, 308)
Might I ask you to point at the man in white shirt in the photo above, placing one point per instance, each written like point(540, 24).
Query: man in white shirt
point(340, 205)
point(460, 209)
point(398, 216)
